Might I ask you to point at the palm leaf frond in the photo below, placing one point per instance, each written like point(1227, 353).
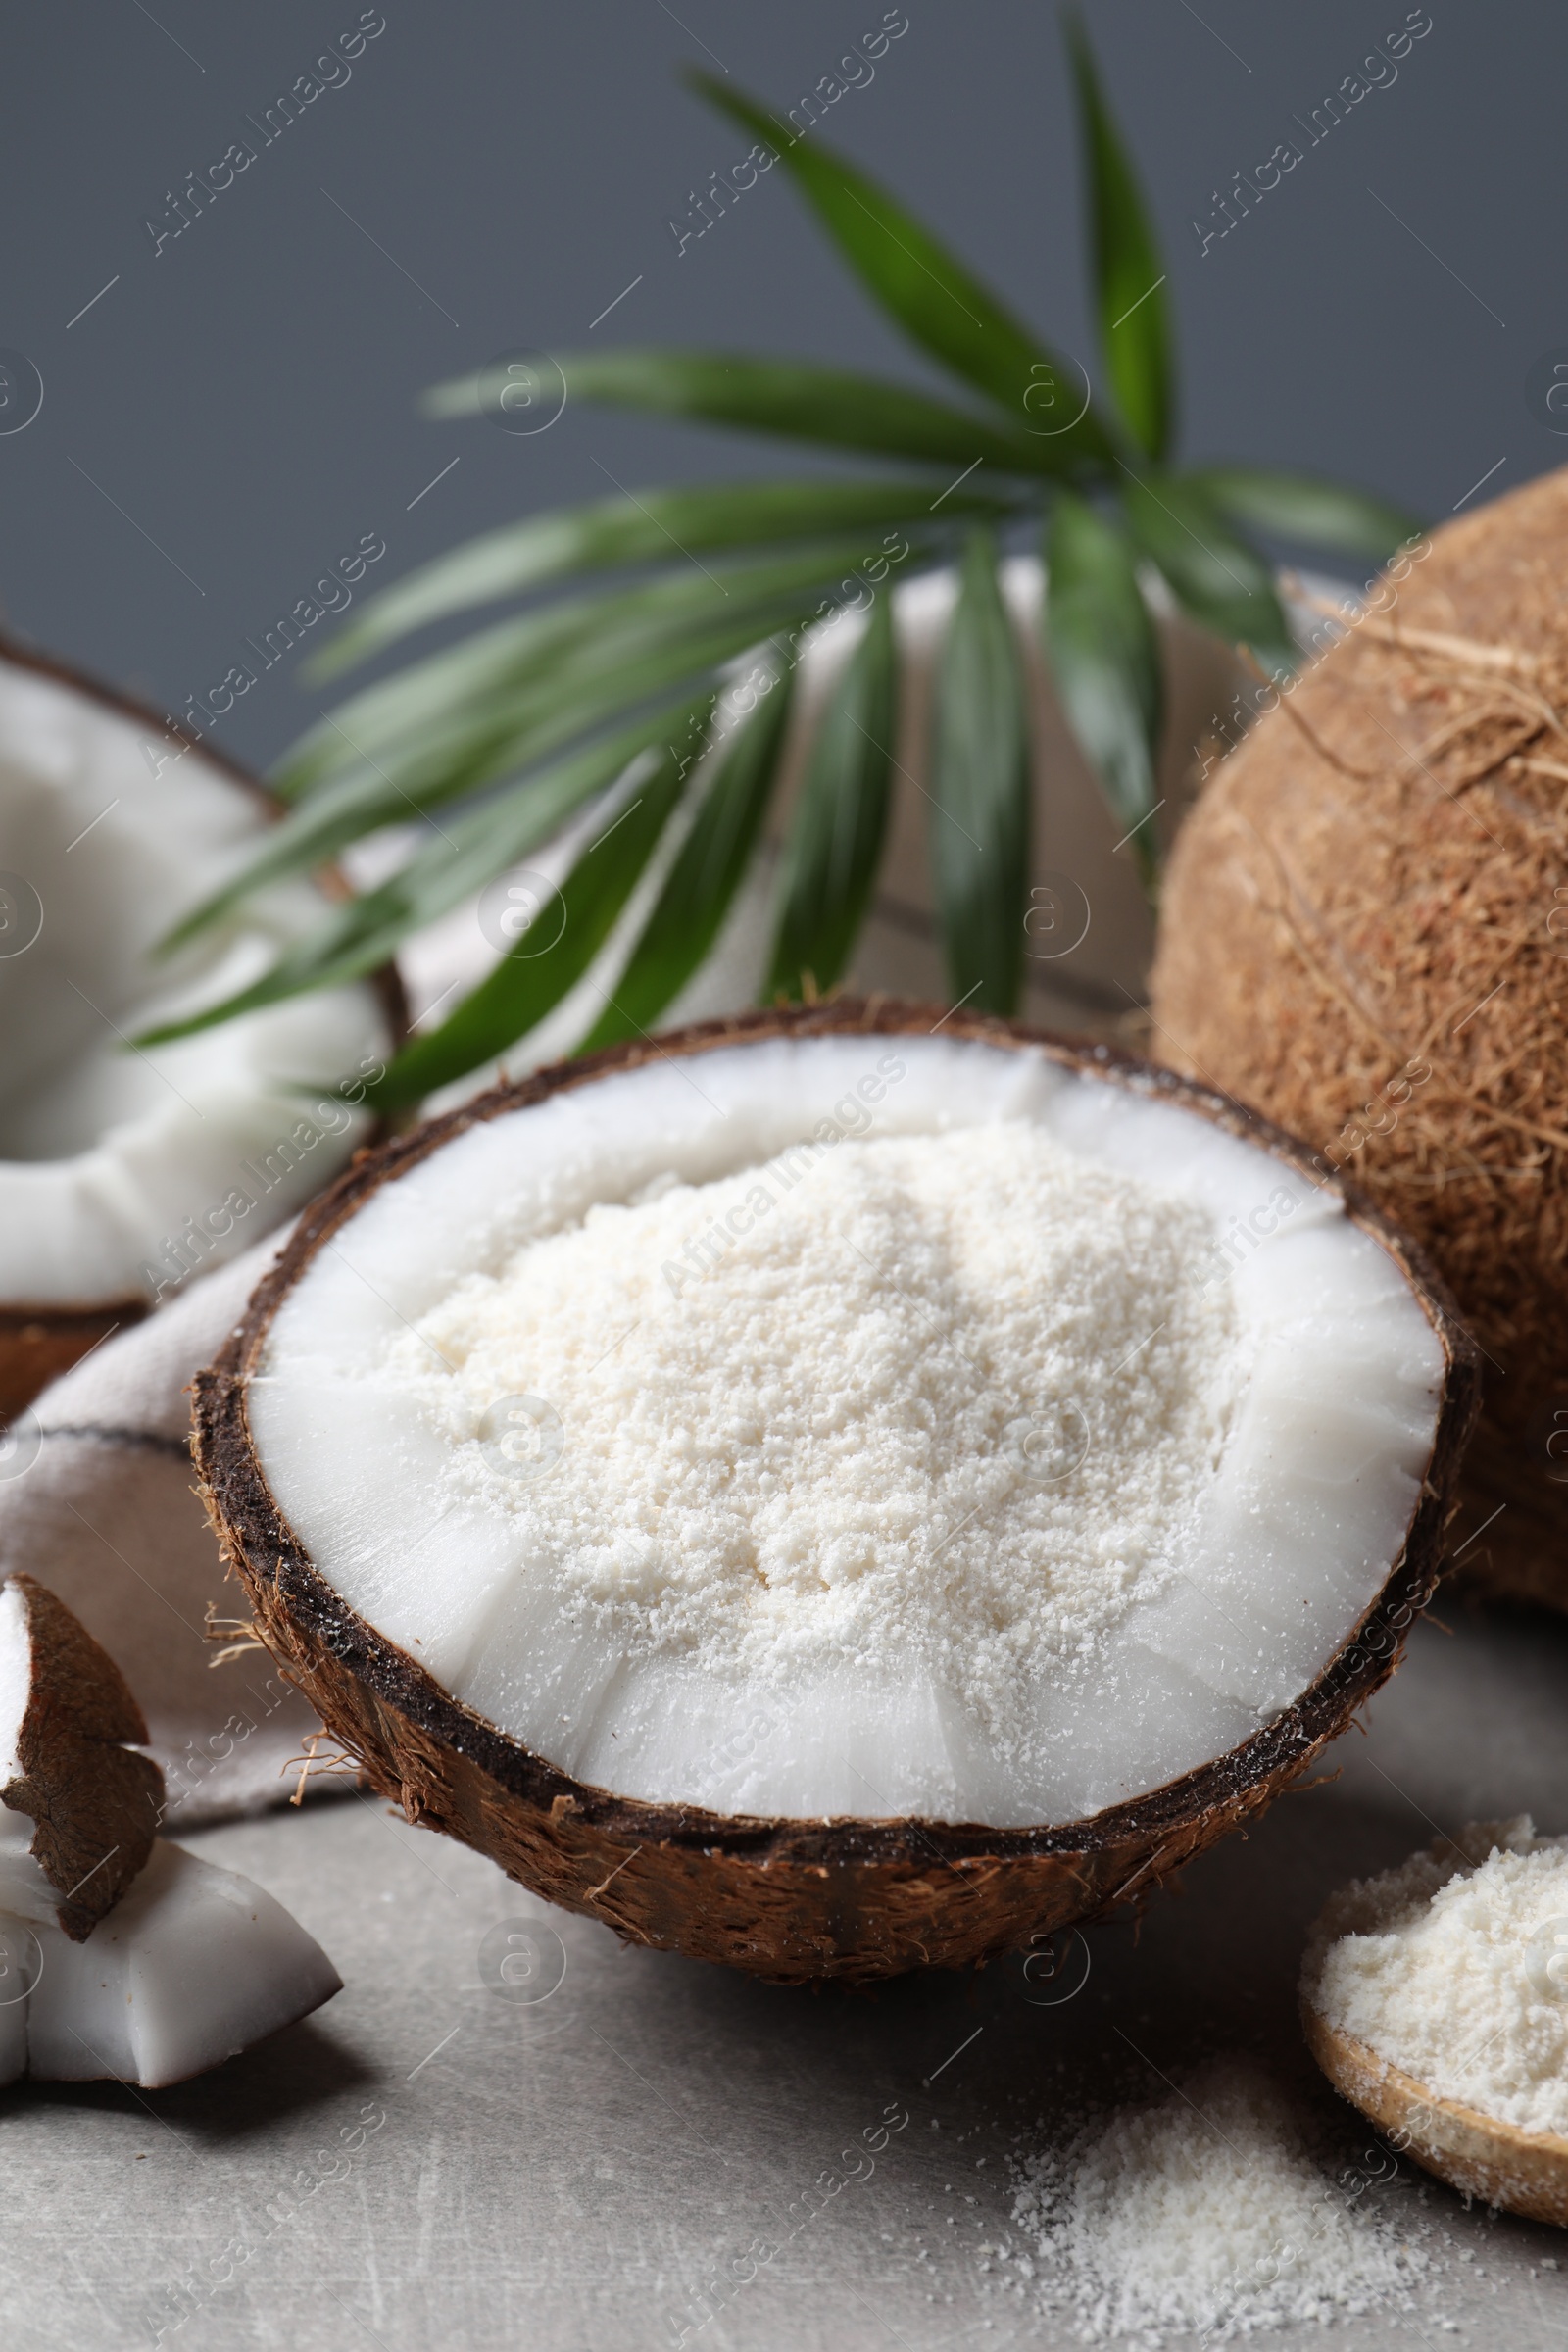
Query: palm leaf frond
point(1297, 505)
point(1105, 660)
point(928, 293)
point(652, 526)
point(1135, 333)
point(979, 828)
point(457, 859)
point(792, 399)
point(489, 747)
point(708, 868)
point(1217, 578)
point(840, 821)
point(528, 981)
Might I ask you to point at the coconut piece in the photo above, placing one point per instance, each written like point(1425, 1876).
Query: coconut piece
point(1364, 933)
point(804, 1812)
point(120, 1955)
point(80, 1807)
point(192, 1966)
point(120, 1173)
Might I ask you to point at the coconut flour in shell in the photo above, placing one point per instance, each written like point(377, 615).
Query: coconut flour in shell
point(1455, 1967)
point(941, 1404)
point(992, 1457)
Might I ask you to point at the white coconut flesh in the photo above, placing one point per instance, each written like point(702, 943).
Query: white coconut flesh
point(107, 834)
point(1032, 1442)
point(191, 1965)
point(25, 1884)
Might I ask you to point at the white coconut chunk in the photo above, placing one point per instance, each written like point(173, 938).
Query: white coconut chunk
point(816, 1538)
point(26, 1889)
point(894, 1746)
point(119, 1954)
point(192, 1965)
point(119, 1171)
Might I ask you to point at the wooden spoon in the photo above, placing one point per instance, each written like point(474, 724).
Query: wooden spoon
point(1525, 2171)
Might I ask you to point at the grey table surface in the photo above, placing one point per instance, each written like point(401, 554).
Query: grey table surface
point(431, 2162)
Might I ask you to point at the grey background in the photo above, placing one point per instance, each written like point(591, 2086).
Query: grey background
point(247, 397)
point(569, 2177)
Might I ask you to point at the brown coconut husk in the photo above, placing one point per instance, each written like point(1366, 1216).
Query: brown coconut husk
point(39, 1342)
point(790, 1900)
point(1523, 2171)
point(1370, 887)
point(96, 1803)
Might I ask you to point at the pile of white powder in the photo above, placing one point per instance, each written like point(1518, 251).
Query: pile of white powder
point(1455, 1967)
point(1213, 2212)
point(945, 1400)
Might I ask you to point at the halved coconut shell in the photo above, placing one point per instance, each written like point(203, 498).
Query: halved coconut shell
point(40, 1338)
point(1525, 2171)
point(787, 1899)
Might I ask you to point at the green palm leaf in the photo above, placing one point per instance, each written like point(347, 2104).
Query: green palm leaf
point(525, 986)
point(559, 650)
point(1214, 576)
point(979, 831)
point(790, 398)
point(707, 870)
point(651, 528)
point(496, 742)
point(1129, 276)
point(467, 853)
point(432, 735)
point(840, 821)
point(925, 289)
point(1296, 506)
point(1105, 657)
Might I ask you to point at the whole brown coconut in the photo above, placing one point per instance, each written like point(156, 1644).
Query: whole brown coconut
point(1365, 932)
point(787, 1899)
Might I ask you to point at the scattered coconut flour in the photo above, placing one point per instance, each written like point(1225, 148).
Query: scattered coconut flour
point(1455, 1967)
point(1216, 2211)
point(945, 1403)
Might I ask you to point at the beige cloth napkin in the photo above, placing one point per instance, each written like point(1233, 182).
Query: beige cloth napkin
point(100, 1506)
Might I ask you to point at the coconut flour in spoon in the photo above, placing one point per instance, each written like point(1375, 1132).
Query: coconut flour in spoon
point(1455, 1967)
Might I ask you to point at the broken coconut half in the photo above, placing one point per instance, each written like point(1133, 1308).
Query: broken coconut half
point(122, 1172)
point(839, 1490)
point(120, 1955)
